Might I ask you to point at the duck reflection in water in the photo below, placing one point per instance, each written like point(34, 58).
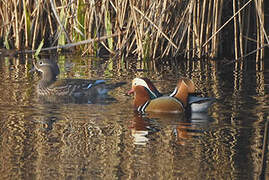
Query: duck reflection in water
point(193, 127)
point(47, 116)
point(140, 128)
point(182, 107)
point(145, 126)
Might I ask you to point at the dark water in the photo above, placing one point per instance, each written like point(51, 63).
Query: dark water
point(107, 140)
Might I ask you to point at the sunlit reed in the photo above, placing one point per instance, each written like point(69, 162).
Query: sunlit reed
point(145, 29)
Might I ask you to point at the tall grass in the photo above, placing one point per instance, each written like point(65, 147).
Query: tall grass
point(145, 29)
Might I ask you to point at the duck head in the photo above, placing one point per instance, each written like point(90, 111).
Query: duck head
point(48, 68)
point(148, 87)
point(141, 91)
point(154, 91)
point(146, 83)
point(151, 87)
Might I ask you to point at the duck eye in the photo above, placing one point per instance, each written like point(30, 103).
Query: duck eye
point(40, 62)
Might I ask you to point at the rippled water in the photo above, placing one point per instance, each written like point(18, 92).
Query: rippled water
point(108, 140)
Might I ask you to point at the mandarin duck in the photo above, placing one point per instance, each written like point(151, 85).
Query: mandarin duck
point(145, 100)
point(194, 103)
point(49, 85)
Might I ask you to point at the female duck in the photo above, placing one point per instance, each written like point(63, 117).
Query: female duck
point(50, 85)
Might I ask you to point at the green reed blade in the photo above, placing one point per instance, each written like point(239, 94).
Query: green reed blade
point(61, 39)
point(146, 48)
point(27, 22)
point(39, 47)
point(6, 41)
point(81, 20)
point(109, 30)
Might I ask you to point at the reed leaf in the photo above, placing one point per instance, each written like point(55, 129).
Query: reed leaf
point(108, 30)
point(6, 42)
point(61, 39)
point(146, 48)
point(39, 47)
point(80, 20)
point(27, 23)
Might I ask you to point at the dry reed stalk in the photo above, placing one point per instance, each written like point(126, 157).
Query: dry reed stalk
point(202, 28)
point(208, 27)
point(181, 25)
point(138, 36)
point(258, 54)
point(194, 28)
point(153, 28)
point(231, 18)
point(52, 3)
point(261, 33)
point(52, 30)
point(247, 24)
point(159, 30)
point(88, 41)
point(219, 22)
point(235, 31)
point(16, 25)
point(121, 12)
point(36, 27)
point(126, 39)
point(216, 7)
point(241, 28)
point(154, 42)
point(26, 22)
point(188, 48)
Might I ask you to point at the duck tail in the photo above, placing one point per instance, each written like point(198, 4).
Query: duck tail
point(115, 85)
point(103, 88)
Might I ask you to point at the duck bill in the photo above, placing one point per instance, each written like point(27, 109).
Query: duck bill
point(33, 68)
point(131, 91)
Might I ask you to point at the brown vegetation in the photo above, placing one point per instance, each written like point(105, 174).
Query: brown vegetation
point(146, 29)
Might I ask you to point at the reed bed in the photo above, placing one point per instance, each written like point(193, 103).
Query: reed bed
point(145, 29)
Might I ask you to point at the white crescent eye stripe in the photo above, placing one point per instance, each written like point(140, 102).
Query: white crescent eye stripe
point(141, 82)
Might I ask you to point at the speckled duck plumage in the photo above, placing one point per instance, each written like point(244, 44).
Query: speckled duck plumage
point(50, 85)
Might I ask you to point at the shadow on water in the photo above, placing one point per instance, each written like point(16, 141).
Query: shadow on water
point(105, 139)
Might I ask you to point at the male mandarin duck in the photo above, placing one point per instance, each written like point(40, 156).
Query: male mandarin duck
point(145, 100)
point(50, 85)
point(194, 103)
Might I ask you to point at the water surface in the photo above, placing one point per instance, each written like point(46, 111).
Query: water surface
point(108, 140)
